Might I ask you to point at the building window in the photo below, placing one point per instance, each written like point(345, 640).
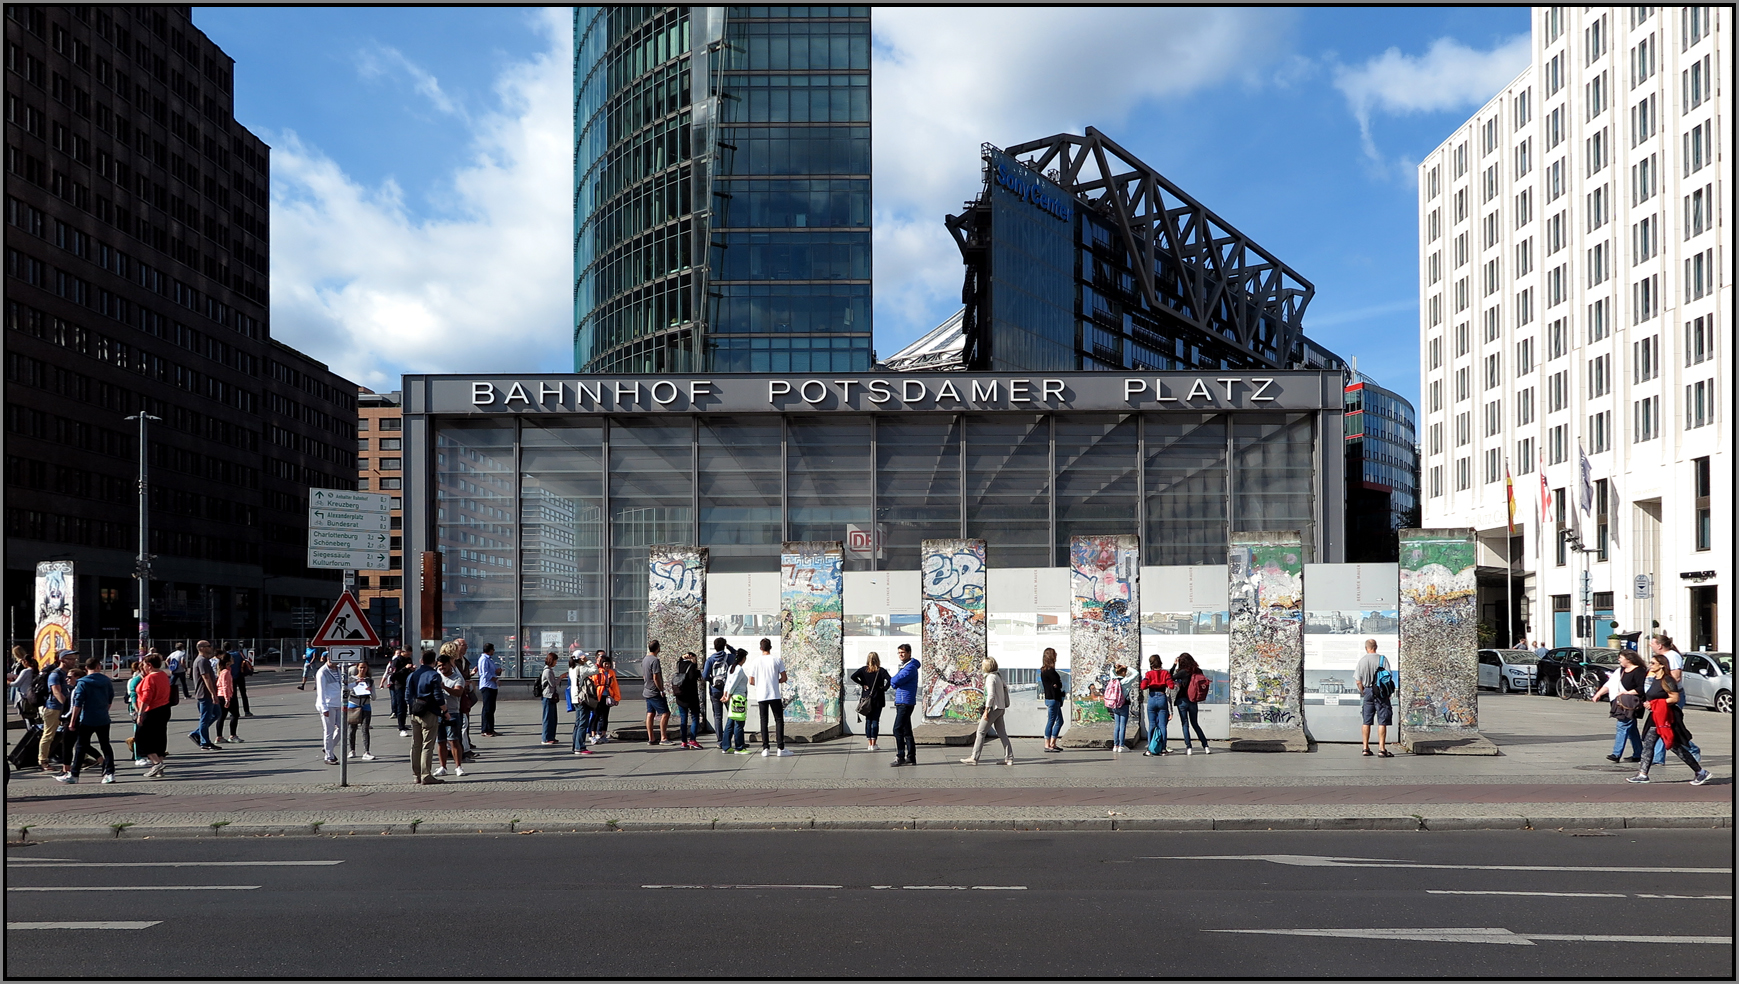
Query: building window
point(1645, 359)
point(1494, 417)
point(391, 464)
point(1525, 407)
point(1494, 471)
point(1463, 474)
point(1524, 357)
point(1600, 432)
point(1700, 491)
point(1558, 444)
point(362, 485)
point(391, 423)
point(1599, 375)
point(1463, 429)
point(362, 445)
point(1602, 524)
point(391, 483)
point(1699, 404)
point(1525, 456)
point(391, 443)
point(1558, 504)
point(1646, 419)
point(1436, 438)
point(1557, 391)
point(362, 426)
point(1699, 340)
point(1436, 481)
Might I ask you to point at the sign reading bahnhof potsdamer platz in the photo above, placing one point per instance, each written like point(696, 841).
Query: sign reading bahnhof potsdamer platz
point(543, 492)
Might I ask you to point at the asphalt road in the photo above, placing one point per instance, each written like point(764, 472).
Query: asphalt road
point(880, 903)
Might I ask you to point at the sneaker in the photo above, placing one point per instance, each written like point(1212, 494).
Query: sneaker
point(766, 753)
point(1634, 758)
point(195, 739)
point(1639, 777)
point(968, 761)
point(404, 734)
point(1702, 777)
point(458, 770)
point(432, 781)
point(743, 751)
point(784, 753)
point(1191, 751)
point(110, 777)
point(724, 751)
point(555, 743)
point(367, 757)
point(349, 755)
point(585, 751)
point(1146, 753)
point(896, 763)
point(1611, 758)
point(1008, 761)
point(141, 762)
point(331, 761)
point(236, 739)
point(156, 771)
point(66, 777)
point(1206, 750)
point(440, 770)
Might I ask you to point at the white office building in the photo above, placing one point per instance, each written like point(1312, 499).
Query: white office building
point(1576, 298)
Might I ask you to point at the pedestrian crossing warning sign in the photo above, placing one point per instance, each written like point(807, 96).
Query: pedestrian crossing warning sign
point(345, 625)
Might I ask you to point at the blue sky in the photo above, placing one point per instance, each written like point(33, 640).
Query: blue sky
point(421, 156)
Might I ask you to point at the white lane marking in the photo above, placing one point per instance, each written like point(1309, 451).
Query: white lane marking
point(822, 887)
point(1556, 895)
point(1475, 935)
point(909, 888)
point(1728, 898)
point(190, 864)
point(1314, 861)
point(135, 888)
point(999, 888)
point(934, 888)
point(81, 925)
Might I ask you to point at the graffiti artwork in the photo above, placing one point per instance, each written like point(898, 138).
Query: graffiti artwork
point(1438, 662)
point(1267, 637)
point(676, 601)
point(954, 628)
point(54, 608)
point(812, 617)
point(1104, 625)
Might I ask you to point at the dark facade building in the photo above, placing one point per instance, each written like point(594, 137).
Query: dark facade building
point(137, 247)
point(1382, 470)
point(721, 189)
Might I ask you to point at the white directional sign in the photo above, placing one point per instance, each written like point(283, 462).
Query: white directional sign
point(349, 530)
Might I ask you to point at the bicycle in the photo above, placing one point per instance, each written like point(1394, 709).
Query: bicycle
point(1574, 685)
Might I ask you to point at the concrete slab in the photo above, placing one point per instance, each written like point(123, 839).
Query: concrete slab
point(961, 733)
point(1162, 823)
point(1270, 740)
point(1643, 823)
point(1096, 736)
point(1265, 823)
point(1448, 743)
point(1476, 823)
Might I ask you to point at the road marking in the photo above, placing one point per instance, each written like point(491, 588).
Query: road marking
point(1475, 935)
point(136, 888)
point(81, 925)
point(934, 888)
point(188, 864)
point(835, 888)
point(1552, 894)
point(819, 887)
point(1314, 861)
point(1728, 898)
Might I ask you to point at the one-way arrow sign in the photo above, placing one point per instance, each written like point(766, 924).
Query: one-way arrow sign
point(345, 625)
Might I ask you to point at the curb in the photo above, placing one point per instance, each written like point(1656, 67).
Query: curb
point(37, 835)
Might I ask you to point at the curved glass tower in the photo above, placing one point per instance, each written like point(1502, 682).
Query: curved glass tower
point(721, 189)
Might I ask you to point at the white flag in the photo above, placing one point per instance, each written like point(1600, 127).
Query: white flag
point(1587, 481)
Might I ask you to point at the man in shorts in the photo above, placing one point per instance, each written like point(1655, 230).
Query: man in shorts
point(652, 688)
point(1374, 702)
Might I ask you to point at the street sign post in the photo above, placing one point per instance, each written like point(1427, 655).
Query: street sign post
point(1644, 589)
point(346, 626)
point(349, 530)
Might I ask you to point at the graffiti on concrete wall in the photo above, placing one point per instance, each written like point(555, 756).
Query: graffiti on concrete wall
point(954, 628)
point(812, 623)
point(1267, 638)
point(54, 609)
point(676, 601)
point(1104, 624)
point(1438, 661)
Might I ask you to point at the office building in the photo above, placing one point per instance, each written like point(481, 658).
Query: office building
point(380, 469)
point(1576, 303)
point(721, 189)
point(137, 251)
point(1382, 470)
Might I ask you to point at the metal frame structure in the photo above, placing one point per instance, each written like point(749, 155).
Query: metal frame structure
point(1237, 292)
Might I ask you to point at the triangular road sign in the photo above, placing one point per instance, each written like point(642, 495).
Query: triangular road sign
point(345, 625)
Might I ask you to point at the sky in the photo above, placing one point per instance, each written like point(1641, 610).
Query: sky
point(421, 157)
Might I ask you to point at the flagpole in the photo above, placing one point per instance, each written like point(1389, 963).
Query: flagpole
point(1509, 541)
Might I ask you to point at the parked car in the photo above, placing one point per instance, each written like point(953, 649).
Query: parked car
point(1709, 681)
point(1504, 670)
point(1574, 671)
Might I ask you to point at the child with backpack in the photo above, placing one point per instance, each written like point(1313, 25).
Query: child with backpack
point(1116, 699)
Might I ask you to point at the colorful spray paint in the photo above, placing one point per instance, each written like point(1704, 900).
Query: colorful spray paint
point(1438, 661)
point(812, 616)
point(1104, 621)
point(676, 602)
point(954, 627)
point(1266, 598)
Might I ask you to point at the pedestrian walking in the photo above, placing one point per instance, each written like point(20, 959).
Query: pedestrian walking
point(226, 695)
point(1623, 690)
point(1376, 699)
point(359, 711)
point(428, 706)
point(177, 666)
point(394, 680)
point(583, 697)
point(685, 688)
point(488, 687)
point(609, 695)
point(204, 673)
point(1190, 688)
point(767, 689)
point(873, 697)
point(24, 686)
point(89, 719)
point(652, 689)
point(713, 673)
point(151, 735)
point(549, 691)
point(1665, 721)
point(1051, 683)
point(1662, 645)
point(1156, 685)
point(737, 704)
point(990, 721)
point(309, 664)
point(329, 702)
point(904, 684)
point(57, 696)
point(242, 663)
point(452, 723)
point(135, 674)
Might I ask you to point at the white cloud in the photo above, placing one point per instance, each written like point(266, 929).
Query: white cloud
point(361, 283)
point(946, 79)
point(382, 61)
point(1449, 75)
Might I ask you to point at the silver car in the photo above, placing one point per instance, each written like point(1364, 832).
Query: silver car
point(1506, 670)
point(1709, 681)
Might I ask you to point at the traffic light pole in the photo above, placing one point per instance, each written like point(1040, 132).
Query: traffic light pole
point(142, 569)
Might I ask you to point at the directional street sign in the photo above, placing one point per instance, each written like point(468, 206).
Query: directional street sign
point(349, 530)
point(351, 501)
point(349, 560)
point(345, 625)
point(346, 540)
point(340, 519)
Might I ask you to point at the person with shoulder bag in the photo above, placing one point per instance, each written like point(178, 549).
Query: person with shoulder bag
point(1116, 701)
point(428, 706)
point(990, 721)
point(1665, 722)
point(1624, 689)
point(609, 695)
point(737, 705)
point(1155, 684)
point(1191, 687)
point(875, 681)
point(359, 711)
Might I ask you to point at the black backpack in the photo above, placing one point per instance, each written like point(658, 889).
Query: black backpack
point(39, 689)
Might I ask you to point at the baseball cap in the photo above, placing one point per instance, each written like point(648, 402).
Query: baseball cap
point(66, 652)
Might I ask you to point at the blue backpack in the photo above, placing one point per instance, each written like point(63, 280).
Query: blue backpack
point(1384, 680)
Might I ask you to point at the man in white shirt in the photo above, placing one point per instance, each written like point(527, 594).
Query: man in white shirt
point(329, 701)
point(766, 687)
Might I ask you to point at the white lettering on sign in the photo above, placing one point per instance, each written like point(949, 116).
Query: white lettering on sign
point(879, 391)
point(820, 391)
point(845, 386)
point(776, 388)
point(516, 392)
point(547, 390)
point(1053, 387)
point(1017, 391)
point(1229, 382)
point(1161, 394)
point(907, 394)
point(665, 401)
point(632, 391)
point(986, 393)
point(482, 394)
point(1260, 390)
point(1199, 389)
point(699, 388)
point(595, 394)
point(1132, 387)
point(947, 392)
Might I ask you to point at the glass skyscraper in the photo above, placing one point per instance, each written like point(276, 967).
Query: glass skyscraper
point(721, 189)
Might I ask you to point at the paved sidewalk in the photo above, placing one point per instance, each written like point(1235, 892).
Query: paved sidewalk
point(1552, 772)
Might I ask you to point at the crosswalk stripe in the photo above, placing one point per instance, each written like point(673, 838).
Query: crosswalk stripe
point(81, 925)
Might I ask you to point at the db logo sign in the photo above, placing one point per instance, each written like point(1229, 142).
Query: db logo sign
point(863, 542)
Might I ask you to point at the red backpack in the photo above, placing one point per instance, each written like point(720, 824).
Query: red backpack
point(1198, 688)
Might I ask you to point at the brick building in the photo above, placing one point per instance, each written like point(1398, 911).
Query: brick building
point(380, 468)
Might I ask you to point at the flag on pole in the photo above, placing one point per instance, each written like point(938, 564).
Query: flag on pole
point(1587, 472)
point(1545, 493)
point(1509, 497)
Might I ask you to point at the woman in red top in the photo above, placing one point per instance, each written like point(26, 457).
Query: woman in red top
point(1154, 684)
point(151, 741)
point(226, 695)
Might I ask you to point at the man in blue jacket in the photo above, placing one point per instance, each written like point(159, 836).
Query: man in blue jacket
point(905, 688)
point(428, 706)
point(89, 717)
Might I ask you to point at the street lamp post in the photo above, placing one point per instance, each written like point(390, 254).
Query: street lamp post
point(142, 570)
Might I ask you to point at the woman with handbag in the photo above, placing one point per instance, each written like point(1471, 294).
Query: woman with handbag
point(1665, 721)
point(990, 721)
point(685, 688)
point(359, 710)
point(874, 681)
point(1624, 689)
point(1051, 682)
